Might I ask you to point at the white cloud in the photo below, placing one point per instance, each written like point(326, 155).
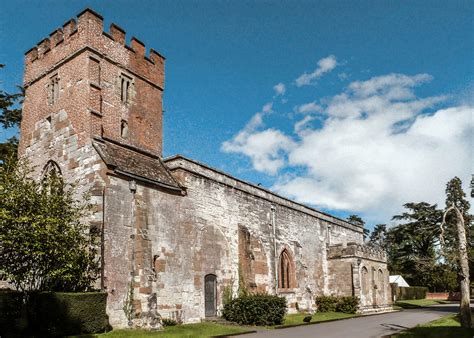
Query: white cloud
point(379, 147)
point(324, 65)
point(279, 89)
point(311, 107)
point(266, 148)
point(302, 125)
point(267, 108)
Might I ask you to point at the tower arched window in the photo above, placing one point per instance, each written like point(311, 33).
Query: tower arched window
point(286, 271)
point(52, 178)
point(51, 168)
point(124, 129)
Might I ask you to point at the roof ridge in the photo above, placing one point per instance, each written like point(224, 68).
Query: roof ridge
point(140, 165)
point(177, 156)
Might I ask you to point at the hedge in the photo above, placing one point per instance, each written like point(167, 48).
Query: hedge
point(347, 304)
point(259, 309)
point(52, 314)
point(326, 303)
point(412, 292)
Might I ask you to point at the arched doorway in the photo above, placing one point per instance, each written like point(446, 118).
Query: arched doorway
point(210, 295)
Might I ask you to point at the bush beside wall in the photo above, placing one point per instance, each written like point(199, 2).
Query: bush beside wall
point(408, 293)
point(52, 314)
point(326, 303)
point(349, 304)
point(257, 309)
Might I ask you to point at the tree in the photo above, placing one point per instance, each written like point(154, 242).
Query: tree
point(44, 245)
point(412, 245)
point(10, 117)
point(378, 235)
point(455, 196)
point(356, 220)
point(465, 307)
point(456, 230)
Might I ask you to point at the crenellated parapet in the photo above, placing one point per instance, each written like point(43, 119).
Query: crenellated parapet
point(85, 33)
point(357, 250)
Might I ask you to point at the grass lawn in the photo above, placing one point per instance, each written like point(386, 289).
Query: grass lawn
point(189, 330)
point(411, 304)
point(445, 327)
point(212, 329)
point(297, 318)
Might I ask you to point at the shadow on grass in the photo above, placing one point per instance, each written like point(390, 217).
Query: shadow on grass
point(436, 332)
point(444, 327)
point(448, 305)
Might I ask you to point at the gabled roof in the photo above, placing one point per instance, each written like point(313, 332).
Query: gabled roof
point(399, 280)
point(136, 164)
point(181, 162)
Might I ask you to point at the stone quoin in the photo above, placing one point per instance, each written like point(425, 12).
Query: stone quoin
point(175, 232)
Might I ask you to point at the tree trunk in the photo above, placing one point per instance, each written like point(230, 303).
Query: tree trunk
point(463, 261)
point(465, 307)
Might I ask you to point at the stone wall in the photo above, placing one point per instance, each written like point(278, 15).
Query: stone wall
point(220, 227)
point(359, 270)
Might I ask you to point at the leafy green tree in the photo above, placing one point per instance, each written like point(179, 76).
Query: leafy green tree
point(356, 220)
point(455, 196)
point(8, 149)
point(455, 241)
point(412, 244)
point(378, 235)
point(44, 244)
point(10, 117)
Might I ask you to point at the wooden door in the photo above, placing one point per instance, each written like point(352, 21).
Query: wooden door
point(210, 295)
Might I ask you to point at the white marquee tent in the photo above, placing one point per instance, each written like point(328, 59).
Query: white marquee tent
point(399, 280)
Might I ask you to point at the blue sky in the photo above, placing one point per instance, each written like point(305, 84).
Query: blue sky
point(382, 65)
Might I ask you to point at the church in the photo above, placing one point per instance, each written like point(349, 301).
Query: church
point(175, 234)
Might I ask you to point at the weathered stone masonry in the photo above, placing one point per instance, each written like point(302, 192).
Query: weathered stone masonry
point(176, 232)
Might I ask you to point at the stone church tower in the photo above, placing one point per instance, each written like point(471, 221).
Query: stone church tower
point(112, 90)
point(175, 233)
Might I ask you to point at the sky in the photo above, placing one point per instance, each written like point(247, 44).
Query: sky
point(352, 107)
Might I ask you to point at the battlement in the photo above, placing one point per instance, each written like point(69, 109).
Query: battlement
point(357, 250)
point(85, 32)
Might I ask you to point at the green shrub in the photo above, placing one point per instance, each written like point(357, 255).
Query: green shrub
point(227, 294)
point(12, 318)
point(326, 303)
point(412, 292)
point(52, 314)
point(259, 309)
point(347, 304)
point(168, 322)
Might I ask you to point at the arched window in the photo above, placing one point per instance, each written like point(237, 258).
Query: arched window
point(374, 282)
point(124, 129)
point(364, 276)
point(286, 272)
point(381, 282)
point(51, 168)
point(52, 178)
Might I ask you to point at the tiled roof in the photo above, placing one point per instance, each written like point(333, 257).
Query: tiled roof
point(136, 164)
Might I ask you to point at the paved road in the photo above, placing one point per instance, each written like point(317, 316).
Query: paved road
point(364, 327)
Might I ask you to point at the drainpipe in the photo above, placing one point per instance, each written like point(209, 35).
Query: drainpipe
point(329, 234)
point(133, 189)
point(102, 244)
point(275, 254)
